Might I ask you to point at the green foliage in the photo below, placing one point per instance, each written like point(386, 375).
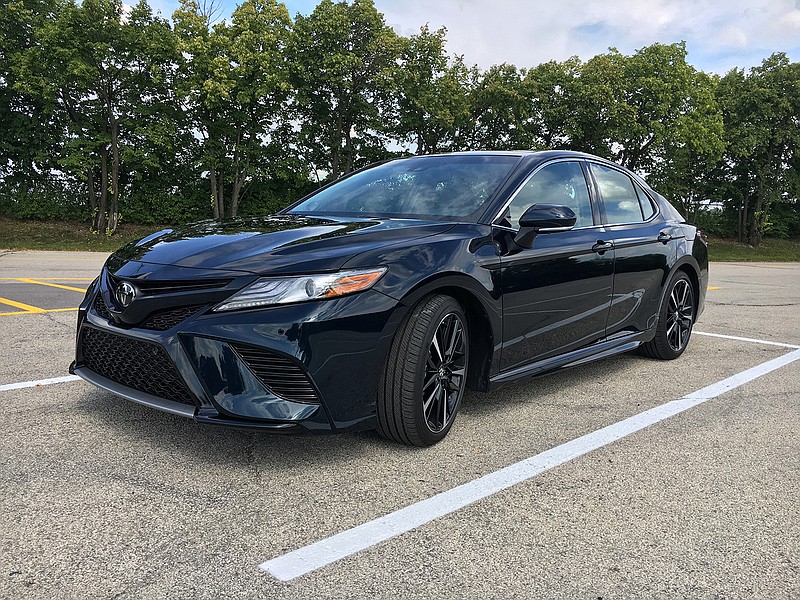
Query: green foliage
point(233, 79)
point(498, 107)
point(762, 131)
point(432, 94)
point(716, 222)
point(110, 113)
point(342, 58)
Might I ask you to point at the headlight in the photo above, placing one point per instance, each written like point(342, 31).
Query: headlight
point(302, 288)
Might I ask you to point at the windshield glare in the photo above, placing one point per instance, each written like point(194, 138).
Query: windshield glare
point(437, 187)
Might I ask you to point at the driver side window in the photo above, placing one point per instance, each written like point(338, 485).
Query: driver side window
point(560, 183)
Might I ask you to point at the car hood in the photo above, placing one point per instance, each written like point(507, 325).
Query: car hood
point(277, 244)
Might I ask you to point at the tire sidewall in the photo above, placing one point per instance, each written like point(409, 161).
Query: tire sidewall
point(449, 307)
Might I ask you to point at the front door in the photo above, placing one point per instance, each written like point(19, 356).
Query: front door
point(557, 294)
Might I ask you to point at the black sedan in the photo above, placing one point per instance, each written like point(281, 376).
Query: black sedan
point(375, 301)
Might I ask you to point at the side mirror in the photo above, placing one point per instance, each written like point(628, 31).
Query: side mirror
point(543, 218)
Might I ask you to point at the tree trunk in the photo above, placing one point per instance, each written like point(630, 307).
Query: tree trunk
point(754, 227)
point(238, 182)
point(239, 168)
point(336, 147)
point(221, 190)
point(113, 214)
point(212, 178)
point(101, 222)
point(348, 147)
point(92, 192)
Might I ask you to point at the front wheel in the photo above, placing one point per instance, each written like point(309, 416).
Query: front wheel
point(426, 373)
point(674, 321)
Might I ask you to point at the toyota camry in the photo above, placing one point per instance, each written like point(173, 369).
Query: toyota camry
point(375, 301)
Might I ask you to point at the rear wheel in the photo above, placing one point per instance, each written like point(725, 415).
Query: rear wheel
point(426, 373)
point(674, 322)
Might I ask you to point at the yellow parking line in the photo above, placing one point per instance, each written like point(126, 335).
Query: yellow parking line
point(20, 305)
point(51, 279)
point(712, 287)
point(55, 285)
point(36, 312)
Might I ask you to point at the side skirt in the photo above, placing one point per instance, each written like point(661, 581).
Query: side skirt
point(602, 349)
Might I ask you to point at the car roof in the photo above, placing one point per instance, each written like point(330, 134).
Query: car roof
point(541, 154)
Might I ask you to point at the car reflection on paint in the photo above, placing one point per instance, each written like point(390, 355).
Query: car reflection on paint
point(377, 300)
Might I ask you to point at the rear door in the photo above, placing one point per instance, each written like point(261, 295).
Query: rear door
point(645, 249)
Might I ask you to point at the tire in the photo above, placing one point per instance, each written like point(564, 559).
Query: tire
point(426, 372)
point(675, 320)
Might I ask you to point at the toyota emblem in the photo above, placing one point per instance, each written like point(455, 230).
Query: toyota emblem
point(125, 294)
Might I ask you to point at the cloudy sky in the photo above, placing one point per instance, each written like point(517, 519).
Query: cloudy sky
point(719, 35)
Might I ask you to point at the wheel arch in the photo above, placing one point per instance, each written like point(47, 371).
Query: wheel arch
point(483, 320)
point(692, 270)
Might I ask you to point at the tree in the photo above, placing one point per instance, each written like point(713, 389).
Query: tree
point(550, 90)
point(30, 135)
point(761, 111)
point(636, 109)
point(91, 65)
point(683, 166)
point(159, 150)
point(233, 82)
point(500, 110)
point(342, 57)
point(432, 93)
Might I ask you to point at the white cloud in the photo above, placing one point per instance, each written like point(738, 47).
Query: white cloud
point(718, 35)
point(527, 33)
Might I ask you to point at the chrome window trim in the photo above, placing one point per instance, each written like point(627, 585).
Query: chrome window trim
point(549, 230)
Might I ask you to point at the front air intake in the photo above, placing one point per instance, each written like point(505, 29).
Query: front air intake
point(281, 375)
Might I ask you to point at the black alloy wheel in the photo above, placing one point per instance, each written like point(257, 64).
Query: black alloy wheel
point(675, 320)
point(445, 373)
point(426, 373)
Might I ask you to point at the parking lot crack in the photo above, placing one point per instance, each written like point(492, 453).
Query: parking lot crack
point(58, 324)
point(750, 304)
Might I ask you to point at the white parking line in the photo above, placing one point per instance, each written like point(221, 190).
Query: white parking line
point(324, 552)
point(26, 384)
point(744, 339)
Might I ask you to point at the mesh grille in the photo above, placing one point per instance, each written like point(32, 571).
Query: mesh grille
point(100, 308)
point(167, 319)
point(137, 364)
point(281, 375)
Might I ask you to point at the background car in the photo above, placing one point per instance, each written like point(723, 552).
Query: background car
point(375, 301)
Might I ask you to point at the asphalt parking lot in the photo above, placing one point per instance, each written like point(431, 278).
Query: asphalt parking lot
point(100, 497)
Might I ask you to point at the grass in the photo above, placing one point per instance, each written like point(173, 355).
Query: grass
point(63, 235)
point(66, 235)
point(770, 250)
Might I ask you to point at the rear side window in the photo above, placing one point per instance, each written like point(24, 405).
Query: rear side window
point(620, 199)
point(648, 210)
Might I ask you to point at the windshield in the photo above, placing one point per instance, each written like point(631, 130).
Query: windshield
point(439, 187)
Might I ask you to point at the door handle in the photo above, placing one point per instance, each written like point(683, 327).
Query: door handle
point(664, 237)
point(602, 246)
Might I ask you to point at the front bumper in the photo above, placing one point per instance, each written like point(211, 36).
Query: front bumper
point(311, 367)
